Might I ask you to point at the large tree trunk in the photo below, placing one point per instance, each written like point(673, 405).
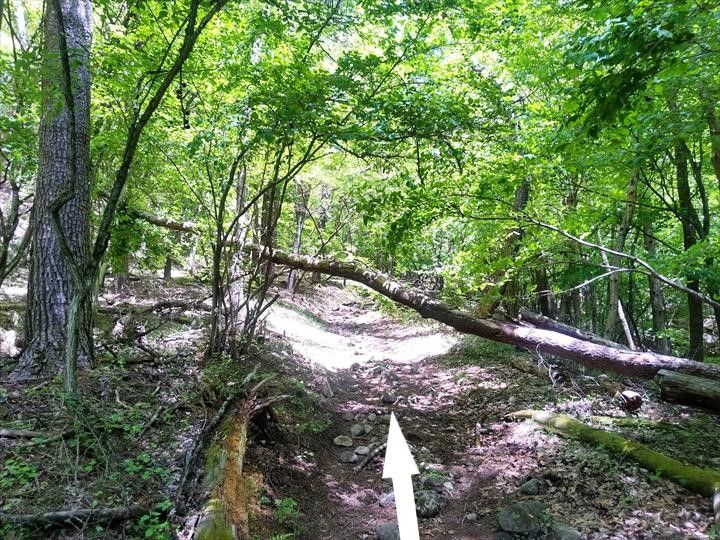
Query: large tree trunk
point(50, 287)
point(631, 363)
point(689, 390)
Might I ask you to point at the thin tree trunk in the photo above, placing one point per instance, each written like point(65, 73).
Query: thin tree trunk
point(657, 296)
point(50, 287)
point(615, 312)
point(690, 226)
point(508, 290)
point(714, 127)
point(167, 269)
point(619, 311)
point(122, 275)
point(546, 299)
point(301, 202)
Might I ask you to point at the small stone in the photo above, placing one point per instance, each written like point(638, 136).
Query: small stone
point(391, 376)
point(357, 430)
point(428, 503)
point(388, 399)
point(531, 487)
point(388, 531)
point(560, 531)
point(472, 516)
point(355, 366)
point(348, 416)
point(388, 499)
point(362, 450)
point(372, 417)
point(523, 517)
point(384, 419)
point(433, 482)
point(415, 369)
point(348, 456)
point(449, 487)
point(377, 370)
point(451, 429)
point(343, 440)
point(367, 428)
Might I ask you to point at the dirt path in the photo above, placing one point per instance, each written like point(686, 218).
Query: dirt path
point(363, 365)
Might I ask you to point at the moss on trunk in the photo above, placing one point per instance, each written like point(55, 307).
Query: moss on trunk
point(702, 481)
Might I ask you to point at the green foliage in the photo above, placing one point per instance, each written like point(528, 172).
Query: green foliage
point(17, 473)
point(304, 413)
point(287, 515)
point(152, 525)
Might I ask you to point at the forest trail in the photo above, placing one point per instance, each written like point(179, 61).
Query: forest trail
point(361, 364)
point(339, 330)
point(366, 364)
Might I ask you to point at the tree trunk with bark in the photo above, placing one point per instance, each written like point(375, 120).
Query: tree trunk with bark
point(507, 293)
point(657, 296)
point(301, 202)
point(50, 287)
point(591, 355)
point(615, 311)
point(690, 227)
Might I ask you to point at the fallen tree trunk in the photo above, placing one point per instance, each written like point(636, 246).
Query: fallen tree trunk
point(630, 363)
point(228, 487)
point(704, 482)
point(540, 321)
point(687, 389)
point(78, 517)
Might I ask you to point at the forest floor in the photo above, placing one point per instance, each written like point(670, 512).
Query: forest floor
point(348, 359)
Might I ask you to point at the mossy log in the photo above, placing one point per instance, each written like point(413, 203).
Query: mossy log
point(631, 422)
point(231, 490)
point(225, 515)
point(702, 481)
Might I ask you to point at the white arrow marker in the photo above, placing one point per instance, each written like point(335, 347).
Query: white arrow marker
point(400, 466)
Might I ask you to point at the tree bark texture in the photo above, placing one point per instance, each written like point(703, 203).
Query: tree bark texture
point(594, 356)
point(301, 202)
point(507, 291)
point(50, 287)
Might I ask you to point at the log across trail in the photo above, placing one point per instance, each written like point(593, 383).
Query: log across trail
point(592, 355)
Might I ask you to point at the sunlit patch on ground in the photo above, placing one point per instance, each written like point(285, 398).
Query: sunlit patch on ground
point(329, 344)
